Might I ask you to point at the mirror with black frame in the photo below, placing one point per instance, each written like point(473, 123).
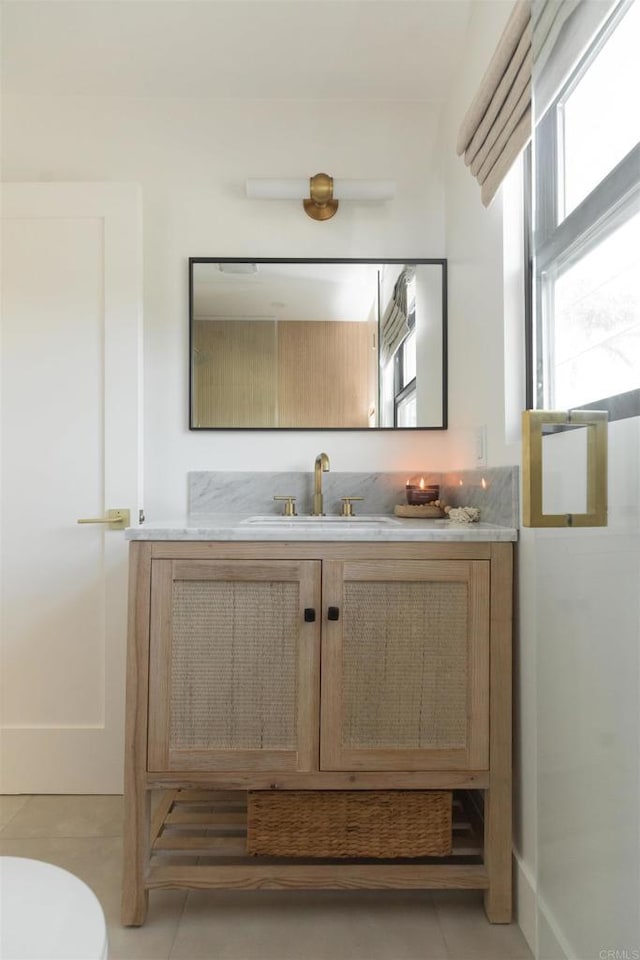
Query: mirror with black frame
point(317, 344)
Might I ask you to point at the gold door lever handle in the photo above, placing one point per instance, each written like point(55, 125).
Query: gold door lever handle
point(117, 519)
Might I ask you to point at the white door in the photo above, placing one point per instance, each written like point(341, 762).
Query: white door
point(71, 443)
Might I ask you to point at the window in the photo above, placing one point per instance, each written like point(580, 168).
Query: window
point(596, 330)
point(586, 343)
point(599, 113)
point(399, 401)
point(405, 407)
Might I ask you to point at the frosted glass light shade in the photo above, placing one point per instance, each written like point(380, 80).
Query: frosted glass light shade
point(298, 189)
point(364, 189)
point(278, 189)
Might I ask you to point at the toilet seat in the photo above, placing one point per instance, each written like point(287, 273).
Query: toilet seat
point(48, 914)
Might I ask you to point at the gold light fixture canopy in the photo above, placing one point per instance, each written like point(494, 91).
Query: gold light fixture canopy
point(320, 205)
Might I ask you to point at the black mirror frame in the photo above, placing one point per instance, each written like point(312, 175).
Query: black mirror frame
point(434, 261)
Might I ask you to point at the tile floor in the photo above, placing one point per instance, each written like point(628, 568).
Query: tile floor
point(83, 835)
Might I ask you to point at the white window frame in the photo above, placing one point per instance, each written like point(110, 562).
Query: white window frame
point(557, 242)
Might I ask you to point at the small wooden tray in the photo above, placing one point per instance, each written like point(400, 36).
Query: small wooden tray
point(425, 511)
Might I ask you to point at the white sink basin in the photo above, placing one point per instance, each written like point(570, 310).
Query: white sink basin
point(314, 522)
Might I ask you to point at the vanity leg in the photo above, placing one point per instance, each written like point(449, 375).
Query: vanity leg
point(135, 897)
point(498, 798)
point(497, 841)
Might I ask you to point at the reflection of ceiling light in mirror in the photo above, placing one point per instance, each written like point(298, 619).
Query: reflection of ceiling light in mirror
point(238, 267)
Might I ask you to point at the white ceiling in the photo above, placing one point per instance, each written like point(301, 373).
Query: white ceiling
point(287, 291)
point(256, 49)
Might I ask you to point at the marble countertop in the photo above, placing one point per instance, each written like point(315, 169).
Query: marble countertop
point(358, 529)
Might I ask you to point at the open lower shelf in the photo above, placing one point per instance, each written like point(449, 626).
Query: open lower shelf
point(198, 840)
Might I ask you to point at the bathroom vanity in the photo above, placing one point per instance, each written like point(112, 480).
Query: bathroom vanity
point(347, 656)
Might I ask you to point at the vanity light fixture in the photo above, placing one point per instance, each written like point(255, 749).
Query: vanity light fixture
point(324, 193)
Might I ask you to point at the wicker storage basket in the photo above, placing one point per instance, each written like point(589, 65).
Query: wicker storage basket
point(349, 823)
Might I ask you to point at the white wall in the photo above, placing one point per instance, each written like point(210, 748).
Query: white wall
point(587, 635)
point(474, 248)
point(192, 158)
point(484, 248)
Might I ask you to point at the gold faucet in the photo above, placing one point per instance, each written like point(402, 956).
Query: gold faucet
point(322, 466)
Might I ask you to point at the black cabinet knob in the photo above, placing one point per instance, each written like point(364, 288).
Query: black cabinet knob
point(333, 613)
point(309, 615)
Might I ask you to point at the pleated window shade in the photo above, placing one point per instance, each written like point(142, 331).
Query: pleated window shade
point(395, 322)
point(497, 125)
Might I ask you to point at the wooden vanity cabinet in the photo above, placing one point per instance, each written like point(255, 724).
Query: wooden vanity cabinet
point(315, 666)
point(234, 665)
point(405, 666)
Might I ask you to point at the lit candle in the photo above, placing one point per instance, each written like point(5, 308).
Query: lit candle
point(419, 491)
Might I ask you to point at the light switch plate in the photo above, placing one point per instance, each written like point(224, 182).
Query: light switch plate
point(481, 446)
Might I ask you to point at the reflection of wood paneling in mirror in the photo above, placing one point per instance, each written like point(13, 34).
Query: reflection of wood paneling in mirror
point(324, 374)
point(235, 384)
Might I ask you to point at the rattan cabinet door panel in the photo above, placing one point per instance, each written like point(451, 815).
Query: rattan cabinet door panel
point(234, 665)
point(405, 665)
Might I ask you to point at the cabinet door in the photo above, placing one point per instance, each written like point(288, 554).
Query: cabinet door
point(234, 665)
point(405, 666)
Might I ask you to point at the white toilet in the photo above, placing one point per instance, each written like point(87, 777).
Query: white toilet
point(48, 914)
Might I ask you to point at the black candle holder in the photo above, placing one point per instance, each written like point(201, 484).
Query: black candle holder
point(419, 491)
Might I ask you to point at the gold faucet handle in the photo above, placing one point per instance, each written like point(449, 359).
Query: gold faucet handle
point(289, 507)
point(347, 508)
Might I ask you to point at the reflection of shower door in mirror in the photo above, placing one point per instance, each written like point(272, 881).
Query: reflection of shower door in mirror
point(71, 261)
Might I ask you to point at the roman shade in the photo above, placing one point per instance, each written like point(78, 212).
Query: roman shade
point(395, 322)
point(497, 125)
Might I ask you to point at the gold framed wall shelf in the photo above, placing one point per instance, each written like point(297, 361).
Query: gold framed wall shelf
point(322, 344)
point(554, 443)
